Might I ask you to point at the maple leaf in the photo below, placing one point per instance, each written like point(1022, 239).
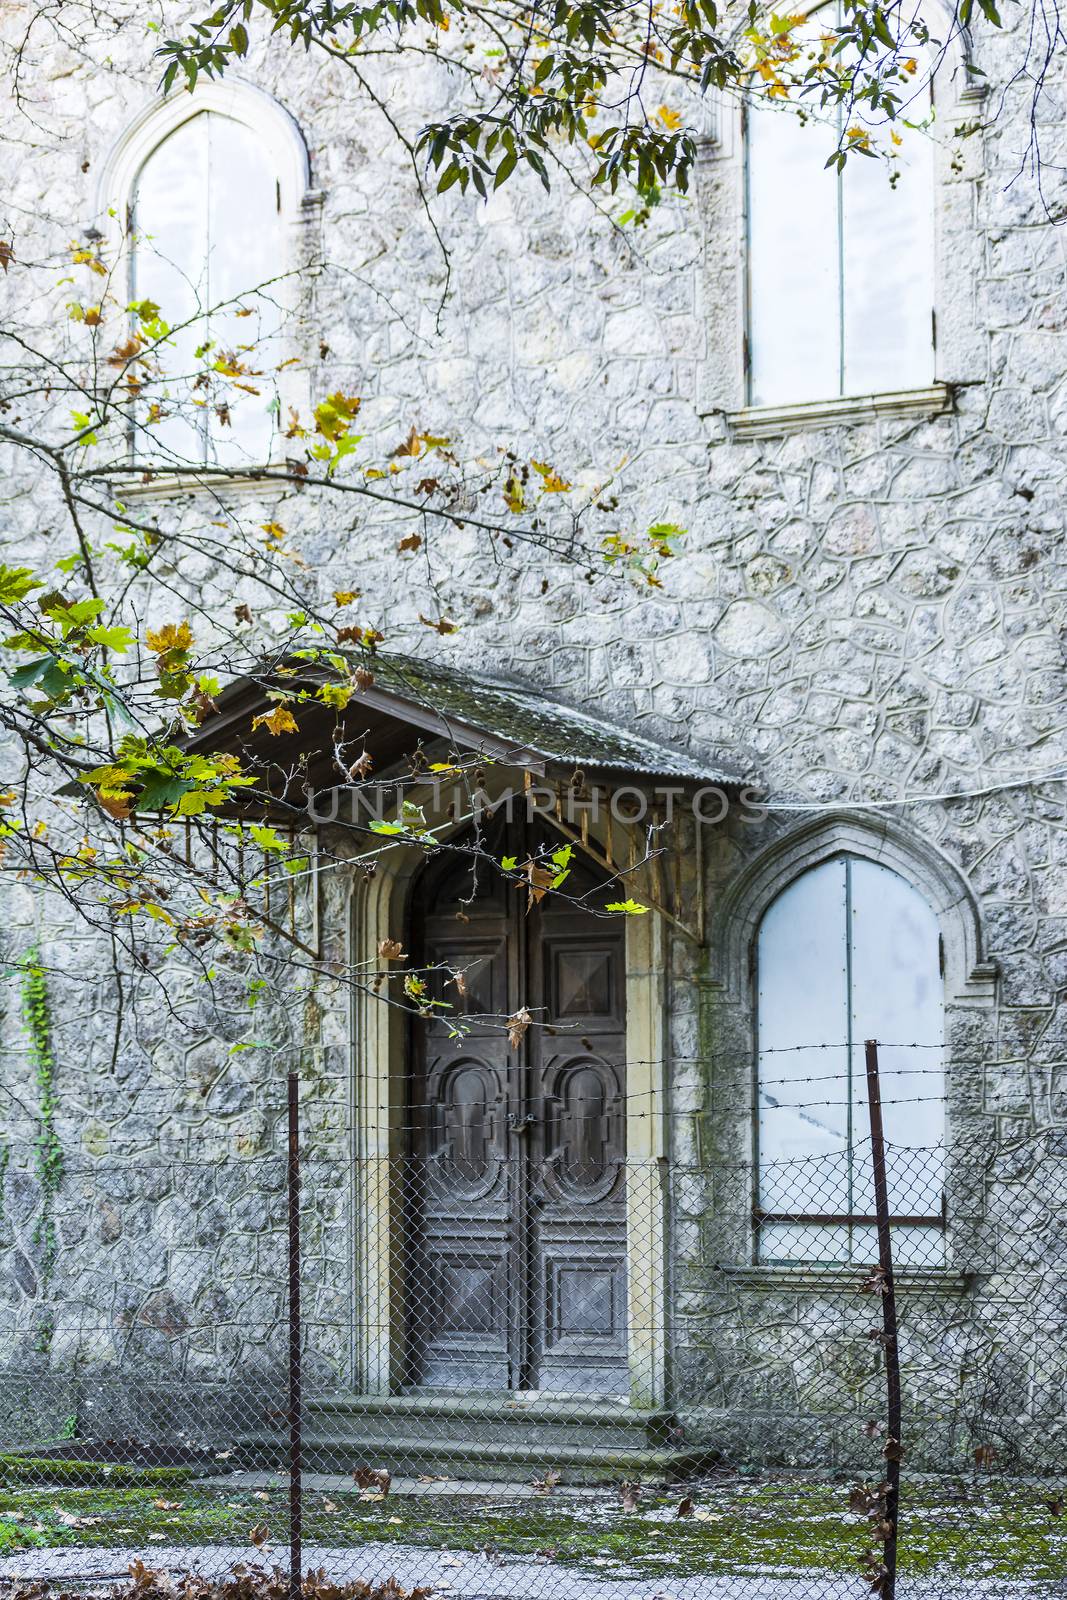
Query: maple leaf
point(172, 636)
point(277, 721)
point(411, 541)
point(345, 597)
point(411, 446)
point(115, 803)
point(125, 352)
point(550, 479)
point(361, 767)
point(391, 950)
point(670, 119)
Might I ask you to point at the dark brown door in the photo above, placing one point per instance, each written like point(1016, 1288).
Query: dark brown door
point(515, 1214)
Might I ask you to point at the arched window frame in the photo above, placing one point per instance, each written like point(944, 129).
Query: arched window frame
point(816, 1202)
point(960, 354)
point(970, 1017)
point(299, 205)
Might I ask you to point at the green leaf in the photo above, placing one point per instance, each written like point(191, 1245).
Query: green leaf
point(268, 839)
point(16, 583)
point(117, 639)
point(630, 907)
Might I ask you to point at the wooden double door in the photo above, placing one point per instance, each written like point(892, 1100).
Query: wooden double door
point(514, 1255)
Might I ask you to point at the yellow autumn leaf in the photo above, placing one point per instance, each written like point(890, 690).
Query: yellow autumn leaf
point(514, 498)
point(345, 597)
point(172, 636)
point(277, 721)
point(550, 479)
point(670, 119)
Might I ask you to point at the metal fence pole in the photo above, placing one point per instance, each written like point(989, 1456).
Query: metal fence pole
point(893, 1445)
point(295, 1463)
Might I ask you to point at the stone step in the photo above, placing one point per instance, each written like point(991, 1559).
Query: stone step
point(517, 1461)
point(491, 1419)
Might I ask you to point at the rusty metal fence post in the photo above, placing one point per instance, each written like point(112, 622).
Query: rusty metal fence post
point(295, 1397)
point(893, 1444)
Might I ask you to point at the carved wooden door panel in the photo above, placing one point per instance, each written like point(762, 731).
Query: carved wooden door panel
point(515, 1210)
point(461, 1190)
point(577, 1193)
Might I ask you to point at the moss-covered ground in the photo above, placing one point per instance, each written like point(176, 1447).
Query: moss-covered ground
point(746, 1526)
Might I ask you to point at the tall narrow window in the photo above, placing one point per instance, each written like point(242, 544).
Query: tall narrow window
point(848, 952)
point(840, 265)
point(208, 250)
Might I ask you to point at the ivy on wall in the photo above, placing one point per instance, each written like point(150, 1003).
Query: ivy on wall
point(48, 1152)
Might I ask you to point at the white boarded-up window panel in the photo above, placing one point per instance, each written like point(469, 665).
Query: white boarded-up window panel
point(803, 1001)
point(170, 264)
point(897, 998)
point(840, 265)
point(206, 213)
point(888, 265)
point(245, 254)
point(794, 322)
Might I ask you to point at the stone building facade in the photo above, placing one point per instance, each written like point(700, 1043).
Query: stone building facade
point(865, 619)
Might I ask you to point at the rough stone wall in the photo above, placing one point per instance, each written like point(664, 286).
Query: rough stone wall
point(866, 611)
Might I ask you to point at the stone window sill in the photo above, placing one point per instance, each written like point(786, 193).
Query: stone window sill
point(766, 422)
point(837, 1278)
point(169, 485)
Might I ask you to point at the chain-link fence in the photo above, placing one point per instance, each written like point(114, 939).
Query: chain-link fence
point(526, 1366)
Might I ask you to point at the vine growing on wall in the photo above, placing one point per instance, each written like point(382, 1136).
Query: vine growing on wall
point(48, 1151)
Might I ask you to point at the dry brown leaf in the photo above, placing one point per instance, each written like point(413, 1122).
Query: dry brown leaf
point(389, 950)
point(375, 1478)
point(517, 1027)
point(686, 1507)
point(259, 1534)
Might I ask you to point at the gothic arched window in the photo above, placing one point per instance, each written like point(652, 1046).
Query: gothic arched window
point(849, 951)
point(209, 247)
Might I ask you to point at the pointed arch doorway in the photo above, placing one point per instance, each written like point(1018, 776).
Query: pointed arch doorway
point(515, 1177)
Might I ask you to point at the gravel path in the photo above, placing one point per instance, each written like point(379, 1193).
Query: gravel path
point(463, 1576)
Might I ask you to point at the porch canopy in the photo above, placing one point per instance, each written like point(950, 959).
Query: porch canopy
point(414, 708)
